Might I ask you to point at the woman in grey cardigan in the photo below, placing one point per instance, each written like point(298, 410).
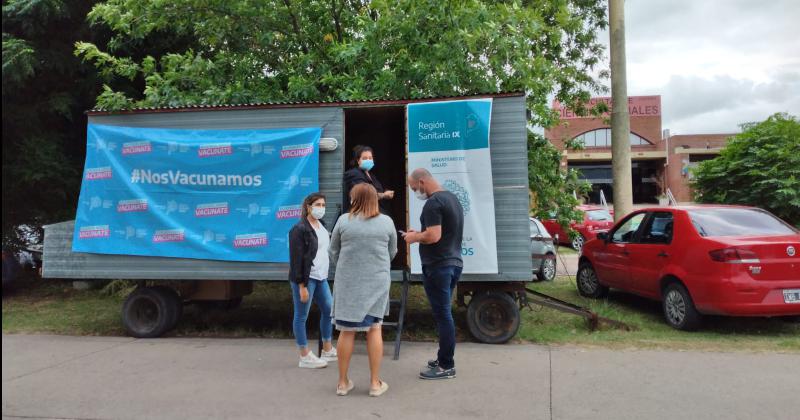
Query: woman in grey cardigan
point(363, 244)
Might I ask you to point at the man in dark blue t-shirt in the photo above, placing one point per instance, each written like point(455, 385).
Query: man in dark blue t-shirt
point(440, 251)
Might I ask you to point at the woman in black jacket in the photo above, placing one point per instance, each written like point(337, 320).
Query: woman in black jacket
point(308, 276)
point(362, 163)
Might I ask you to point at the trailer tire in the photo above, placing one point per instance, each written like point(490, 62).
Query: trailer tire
point(176, 304)
point(148, 312)
point(493, 317)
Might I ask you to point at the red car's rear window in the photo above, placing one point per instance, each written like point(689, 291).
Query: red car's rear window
point(738, 222)
point(599, 215)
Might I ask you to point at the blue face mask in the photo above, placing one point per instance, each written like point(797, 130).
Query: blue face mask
point(367, 164)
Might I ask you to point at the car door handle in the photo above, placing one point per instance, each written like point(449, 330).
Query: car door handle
point(663, 254)
point(625, 252)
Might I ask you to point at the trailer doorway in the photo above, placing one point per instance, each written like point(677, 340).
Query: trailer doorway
point(383, 129)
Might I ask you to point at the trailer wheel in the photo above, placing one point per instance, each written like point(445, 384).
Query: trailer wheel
point(177, 304)
point(148, 312)
point(493, 317)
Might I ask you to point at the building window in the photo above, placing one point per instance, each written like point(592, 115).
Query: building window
point(602, 138)
point(690, 164)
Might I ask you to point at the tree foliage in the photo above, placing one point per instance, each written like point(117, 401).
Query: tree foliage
point(62, 56)
point(45, 91)
point(310, 50)
point(759, 167)
point(552, 186)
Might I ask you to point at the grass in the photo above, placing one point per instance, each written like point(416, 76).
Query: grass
point(565, 250)
point(543, 325)
point(55, 307)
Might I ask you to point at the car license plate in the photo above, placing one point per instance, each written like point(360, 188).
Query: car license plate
point(791, 295)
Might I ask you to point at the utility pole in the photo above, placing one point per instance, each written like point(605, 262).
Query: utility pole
point(620, 121)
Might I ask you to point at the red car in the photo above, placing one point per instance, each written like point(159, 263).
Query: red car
point(595, 219)
point(722, 260)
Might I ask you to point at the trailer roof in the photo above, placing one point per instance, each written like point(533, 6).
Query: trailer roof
point(309, 104)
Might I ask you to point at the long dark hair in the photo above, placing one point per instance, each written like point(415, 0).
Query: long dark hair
point(308, 201)
point(357, 152)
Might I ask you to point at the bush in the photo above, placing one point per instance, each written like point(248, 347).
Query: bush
point(118, 288)
point(759, 167)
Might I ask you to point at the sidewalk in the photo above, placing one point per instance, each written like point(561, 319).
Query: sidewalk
point(173, 378)
point(567, 264)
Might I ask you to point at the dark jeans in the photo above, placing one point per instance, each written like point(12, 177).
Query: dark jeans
point(439, 284)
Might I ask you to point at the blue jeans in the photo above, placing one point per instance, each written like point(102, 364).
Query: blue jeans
point(320, 293)
point(439, 284)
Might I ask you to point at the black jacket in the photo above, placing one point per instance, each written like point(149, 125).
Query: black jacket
point(357, 176)
point(302, 250)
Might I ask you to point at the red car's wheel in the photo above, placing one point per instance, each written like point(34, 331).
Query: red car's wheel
point(679, 310)
point(577, 243)
point(588, 283)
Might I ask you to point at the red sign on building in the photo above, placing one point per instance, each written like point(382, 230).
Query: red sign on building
point(638, 106)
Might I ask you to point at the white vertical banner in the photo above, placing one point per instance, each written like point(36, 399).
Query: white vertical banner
point(451, 140)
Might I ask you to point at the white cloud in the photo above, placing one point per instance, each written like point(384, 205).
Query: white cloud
point(716, 64)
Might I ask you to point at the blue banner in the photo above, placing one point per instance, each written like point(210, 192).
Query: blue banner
point(450, 125)
point(208, 194)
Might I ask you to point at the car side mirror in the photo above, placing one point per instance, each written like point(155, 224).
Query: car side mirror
point(538, 237)
point(603, 236)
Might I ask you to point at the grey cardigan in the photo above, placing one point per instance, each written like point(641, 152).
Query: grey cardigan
point(362, 251)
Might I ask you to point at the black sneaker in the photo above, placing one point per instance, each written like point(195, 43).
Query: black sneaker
point(433, 364)
point(438, 373)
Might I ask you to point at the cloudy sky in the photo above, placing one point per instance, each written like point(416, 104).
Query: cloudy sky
point(715, 63)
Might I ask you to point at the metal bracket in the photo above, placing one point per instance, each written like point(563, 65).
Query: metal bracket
point(592, 318)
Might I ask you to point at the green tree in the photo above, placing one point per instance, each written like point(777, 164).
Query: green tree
point(309, 50)
point(551, 186)
point(759, 167)
point(45, 91)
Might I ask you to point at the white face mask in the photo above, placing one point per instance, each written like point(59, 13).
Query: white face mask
point(421, 195)
point(318, 212)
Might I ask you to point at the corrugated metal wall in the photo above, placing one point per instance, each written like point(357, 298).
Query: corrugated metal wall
point(509, 150)
point(60, 262)
point(509, 169)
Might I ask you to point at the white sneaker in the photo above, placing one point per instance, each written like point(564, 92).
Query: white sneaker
point(310, 361)
point(329, 356)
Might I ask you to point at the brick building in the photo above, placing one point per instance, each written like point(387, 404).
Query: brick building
point(659, 161)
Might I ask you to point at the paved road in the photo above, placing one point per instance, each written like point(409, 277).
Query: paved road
point(178, 378)
point(567, 264)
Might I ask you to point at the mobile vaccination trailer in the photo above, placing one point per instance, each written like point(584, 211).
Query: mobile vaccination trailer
point(167, 283)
